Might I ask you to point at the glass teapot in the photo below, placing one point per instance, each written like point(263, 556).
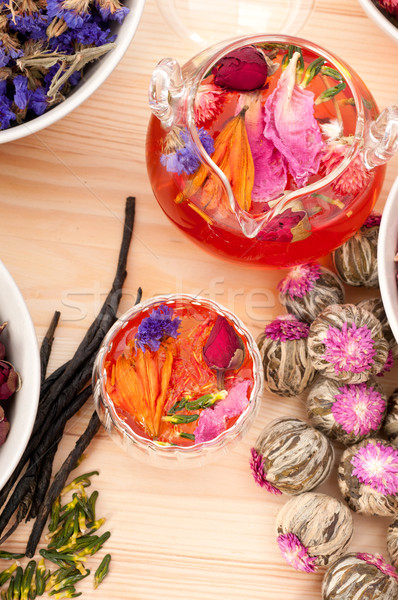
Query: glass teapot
point(266, 150)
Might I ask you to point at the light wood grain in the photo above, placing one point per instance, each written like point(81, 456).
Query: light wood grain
point(208, 533)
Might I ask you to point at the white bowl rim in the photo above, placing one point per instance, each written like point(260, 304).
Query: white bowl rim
point(30, 381)
point(386, 265)
point(108, 63)
point(377, 16)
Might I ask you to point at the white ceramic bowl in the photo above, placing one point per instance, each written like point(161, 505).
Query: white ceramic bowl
point(22, 351)
point(386, 250)
point(378, 17)
point(95, 74)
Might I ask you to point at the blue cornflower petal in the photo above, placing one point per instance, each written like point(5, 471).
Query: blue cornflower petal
point(159, 326)
point(22, 94)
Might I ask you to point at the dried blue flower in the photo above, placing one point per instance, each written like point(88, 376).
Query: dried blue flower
point(185, 158)
point(74, 16)
point(22, 94)
point(6, 114)
point(156, 328)
point(112, 10)
point(32, 25)
point(38, 101)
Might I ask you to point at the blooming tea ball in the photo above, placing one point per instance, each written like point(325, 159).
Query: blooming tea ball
point(346, 412)
point(392, 542)
point(356, 259)
point(346, 343)
point(368, 477)
point(308, 289)
point(360, 577)
point(312, 530)
point(283, 347)
point(290, 456)
point(390, 427)
point(376, 307)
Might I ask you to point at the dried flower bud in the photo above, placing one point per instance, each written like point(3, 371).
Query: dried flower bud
point(390, 427)
point(359, 576)
point(283, 348)
point(312, 530)
point(224, 349)
point(4, 429)
point(346, 343)
point(392, 542)
point(308, 289)
point(356, 259)
point(346, 413)
point(9, 380)
point(244, 69)
point(290, 456)
point(368, 477)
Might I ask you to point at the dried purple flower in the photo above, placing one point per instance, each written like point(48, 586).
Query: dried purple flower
point(156, 328)
point(295, 553)
point(346, 413)
point(112, 10)
point(379, 562)
point(359, 576)
point(260, 476)
point(183, 157)
point(6, 114)
point(388, 365)
point(244, 69)
point(283, 347)
point(309, 288)
point(287, 327)
point(321, 526)
point(347, 343)
point(22, 94)
point(368, 477)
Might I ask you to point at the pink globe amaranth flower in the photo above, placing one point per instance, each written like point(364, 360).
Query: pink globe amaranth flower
point(378, 561)
point(388, 365)
point(287, 327)
point(376, 465)
point(260, 476)
point(295, 553)
point(359, 409)
point(391, 6)
point(209, 103)
point(353, 179)
point(373, 220)
point(300, 280)
point(349, 349)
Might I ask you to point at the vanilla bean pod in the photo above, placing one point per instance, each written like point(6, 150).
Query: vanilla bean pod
point(46, 345)
point(59, 483)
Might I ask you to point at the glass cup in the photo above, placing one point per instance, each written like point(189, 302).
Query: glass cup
point(151, 451)
point(302, 223)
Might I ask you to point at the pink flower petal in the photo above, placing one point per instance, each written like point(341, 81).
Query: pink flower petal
point(213, 420)
point(270, 170)
point(291, 126)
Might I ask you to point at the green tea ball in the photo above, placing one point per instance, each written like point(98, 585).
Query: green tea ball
point(360, 576)
point(392, 542)
point(308, 289)
point(346, 343)
point(356, 259)
point(288, 370)
point(312, 530)
point(347, 412)
point(290, 456)
point(368, 477)
point(390, 428)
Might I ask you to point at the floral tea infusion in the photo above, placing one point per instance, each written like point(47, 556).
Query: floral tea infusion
point(178, 373)
point(273, 121)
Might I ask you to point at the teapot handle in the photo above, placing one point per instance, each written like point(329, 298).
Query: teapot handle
point(165, 89)
point(382, 138)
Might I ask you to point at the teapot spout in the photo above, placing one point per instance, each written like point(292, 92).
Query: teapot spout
point(381, 141)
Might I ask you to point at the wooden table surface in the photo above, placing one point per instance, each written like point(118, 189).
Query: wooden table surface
point(202, 534)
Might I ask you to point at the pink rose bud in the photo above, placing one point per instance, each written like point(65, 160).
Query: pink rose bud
point(224, 348)
point(9, 380)
point(244, 69)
